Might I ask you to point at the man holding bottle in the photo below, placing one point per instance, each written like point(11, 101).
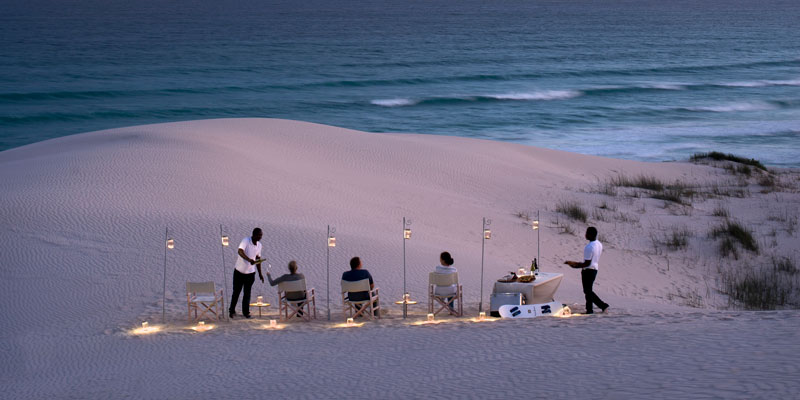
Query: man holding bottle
point(244, 272)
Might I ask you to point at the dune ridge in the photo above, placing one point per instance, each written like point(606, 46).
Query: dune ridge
point(84, 219)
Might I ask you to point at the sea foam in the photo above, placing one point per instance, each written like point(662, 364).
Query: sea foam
point(393, 102)
point(538, 95)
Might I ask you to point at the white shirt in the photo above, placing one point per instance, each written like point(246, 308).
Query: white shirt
point(251, 250)
point(592, 252)
point(445, 290)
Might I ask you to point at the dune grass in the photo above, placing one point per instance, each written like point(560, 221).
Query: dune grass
point(572, 210)
point(719, 156)
point(733, 233)
point(758, 289)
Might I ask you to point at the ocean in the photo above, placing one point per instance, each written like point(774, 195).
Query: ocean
point(653, 80)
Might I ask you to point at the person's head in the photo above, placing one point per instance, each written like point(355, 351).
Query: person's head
point(257, 234)
point(591, 233)
point(293, 267)
point(355, 263)
point(446, 259)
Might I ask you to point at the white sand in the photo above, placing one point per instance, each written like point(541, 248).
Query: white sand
point(83, 225)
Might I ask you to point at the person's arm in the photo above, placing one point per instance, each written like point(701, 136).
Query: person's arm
point(280, 279)
point(371, 284)
point(587, 258)
point(241, 254)
point(578, 264)
point(258, 266)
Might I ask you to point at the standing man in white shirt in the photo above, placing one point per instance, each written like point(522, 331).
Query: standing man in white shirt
point(591, 257)
point(244, 272)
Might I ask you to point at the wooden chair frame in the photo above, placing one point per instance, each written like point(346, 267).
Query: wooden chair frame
point(436, 279)
point(204, 297)
point(291, 308)
point(350, 309)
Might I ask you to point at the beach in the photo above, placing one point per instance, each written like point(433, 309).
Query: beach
point(85, 217)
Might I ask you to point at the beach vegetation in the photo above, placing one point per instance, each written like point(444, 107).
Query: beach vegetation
point(640, 181)
point(598, 215)
point(721, 211)
point(768, 182)
point(758, 289)
point(566, 228)
point(523, 215)
point(721, 191)
point(605, 206)
point(733, 233)
point(572, 210)
point(608, 189)
point(675, 192)
point(784, 265)
point(719, 156)
point(676, 238)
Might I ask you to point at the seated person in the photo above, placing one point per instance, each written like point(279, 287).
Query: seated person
point(446, 267)
point(291, 276)
point(356, 274)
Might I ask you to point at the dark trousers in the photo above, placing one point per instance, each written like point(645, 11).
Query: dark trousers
point(242, 281)
point(587, 278)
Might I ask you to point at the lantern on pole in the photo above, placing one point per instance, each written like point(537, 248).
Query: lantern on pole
point(406, 296)
point(331, 243)
point(169, 245)
point(535, 226)
point(225, 241)
point(487, 235)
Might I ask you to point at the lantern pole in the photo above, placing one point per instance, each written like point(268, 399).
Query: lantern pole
point(538, 246)
point(331, 242)
point(483, 246)
point(224, 239)
point(164, 290)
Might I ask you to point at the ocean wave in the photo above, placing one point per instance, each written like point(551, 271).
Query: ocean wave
point(544, 95)
point(393, 102)
point(735, 107)
point(762, 83)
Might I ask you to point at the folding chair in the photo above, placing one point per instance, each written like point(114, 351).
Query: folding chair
point(301, 308)
point(442, 301)
point(204, 296)
point(354, 309)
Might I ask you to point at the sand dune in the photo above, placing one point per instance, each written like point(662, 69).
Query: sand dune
point(83, 226)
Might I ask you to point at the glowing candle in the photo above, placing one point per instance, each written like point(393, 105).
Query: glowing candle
point(331, 241)
point(482, 315)
point(260, 299)
point(170, 244)
point(487, 234)
point(407, 297)
point(225, 241)
point(202, 324)
point(349, 321)
point(407, 233)
point(273, 323)
point(145, 325)
point(430, 317)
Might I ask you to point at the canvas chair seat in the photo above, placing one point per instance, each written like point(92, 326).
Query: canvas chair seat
point(305, 308)
point(444, 300)
point(367, 308)
point(203, 298)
